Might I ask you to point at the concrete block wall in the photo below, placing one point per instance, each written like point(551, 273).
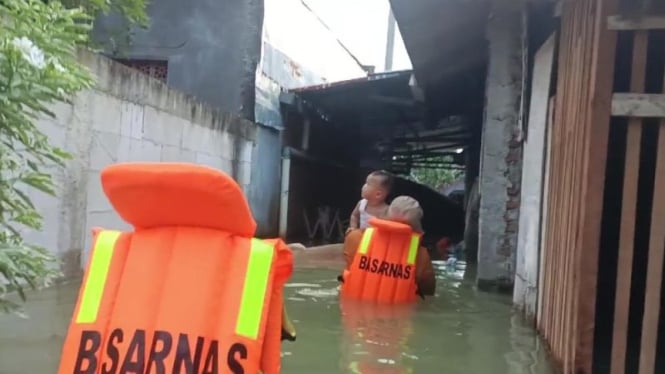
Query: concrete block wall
point(501, 156)
point(127, 117)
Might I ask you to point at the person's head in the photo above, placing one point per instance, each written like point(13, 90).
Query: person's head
point(406, 209)
point(377, 186)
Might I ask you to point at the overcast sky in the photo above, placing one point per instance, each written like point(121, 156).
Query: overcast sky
point(361, 25)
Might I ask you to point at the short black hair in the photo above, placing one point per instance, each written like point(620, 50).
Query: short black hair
point(386, 179)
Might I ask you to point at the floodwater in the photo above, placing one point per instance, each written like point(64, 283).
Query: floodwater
point(460, 330)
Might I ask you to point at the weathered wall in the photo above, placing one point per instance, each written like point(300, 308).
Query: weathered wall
point(529, 236)
point(276, 72)
point(212, 47)
point(263, 193)
point(127, 117)
point(501, 157)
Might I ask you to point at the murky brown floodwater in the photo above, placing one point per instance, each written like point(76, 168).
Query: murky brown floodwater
point(458, 331)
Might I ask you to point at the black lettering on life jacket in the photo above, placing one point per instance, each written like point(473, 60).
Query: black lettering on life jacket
point(376, 266)
point(211, 364)
point(232, 359)
point(183, 355)
point(383, 268)
point(157, 356)
point(86, 358)
point(133, 361)
point(395, 270)
point(407, 272)
point(363, 262)
point(112, 352)
point(135, 358)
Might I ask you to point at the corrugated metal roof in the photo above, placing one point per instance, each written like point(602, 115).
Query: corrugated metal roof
point(369, 78)
point(363, 101)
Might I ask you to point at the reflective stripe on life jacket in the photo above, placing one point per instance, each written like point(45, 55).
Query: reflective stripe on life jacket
point(90, 343)
point(254, 285)
point(383, 269)
point(179, 299)
point(93, 288)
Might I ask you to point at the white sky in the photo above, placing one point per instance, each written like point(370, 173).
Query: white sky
point(361, 25)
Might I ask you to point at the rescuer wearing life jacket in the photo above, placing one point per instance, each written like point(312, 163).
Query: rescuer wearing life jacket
point(188, 290)
point(403, 210)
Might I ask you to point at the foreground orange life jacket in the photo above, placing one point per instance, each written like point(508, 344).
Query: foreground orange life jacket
point(383, 269)
point(189, 290)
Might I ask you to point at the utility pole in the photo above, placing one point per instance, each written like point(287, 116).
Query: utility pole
point(390, 44)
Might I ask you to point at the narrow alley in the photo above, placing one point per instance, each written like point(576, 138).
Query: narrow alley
point(238, 147)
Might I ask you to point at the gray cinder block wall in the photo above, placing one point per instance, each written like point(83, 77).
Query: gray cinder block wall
point(127, 117)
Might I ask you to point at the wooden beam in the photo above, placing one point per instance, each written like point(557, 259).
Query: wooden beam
point(434, 140)
point(434, 147)
point(650, 318)
point(593, 185)
point(638, 105)
point(393, 100)
point(654, 280)
point(628, 212)
point(452, 126)
point(629, 23)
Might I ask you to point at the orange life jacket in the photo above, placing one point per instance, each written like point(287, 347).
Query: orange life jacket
point(383, 268)
point(189, 290)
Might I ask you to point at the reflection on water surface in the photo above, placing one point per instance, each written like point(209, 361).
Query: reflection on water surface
point(459, 331)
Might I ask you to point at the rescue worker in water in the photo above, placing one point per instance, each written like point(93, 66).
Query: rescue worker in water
point(404, 209)
point(189, 290)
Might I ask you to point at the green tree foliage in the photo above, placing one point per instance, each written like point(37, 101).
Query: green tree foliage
point(437, 176)
point(118, 38)
point(38, 67)
point(132, 10)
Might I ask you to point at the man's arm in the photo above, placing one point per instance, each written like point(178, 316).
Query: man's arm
point(351, 243)
point(354, 221)
point(425, 277)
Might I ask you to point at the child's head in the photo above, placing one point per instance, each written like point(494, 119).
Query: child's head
point(407, 210)
point(377, 186)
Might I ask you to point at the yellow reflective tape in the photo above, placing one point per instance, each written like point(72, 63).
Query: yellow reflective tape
point(364, 243)
point(254, 289)
point(93, 290)
point(413, 249)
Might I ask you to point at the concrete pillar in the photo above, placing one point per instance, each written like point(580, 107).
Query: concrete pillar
point(471, 189)
point(501, 155)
